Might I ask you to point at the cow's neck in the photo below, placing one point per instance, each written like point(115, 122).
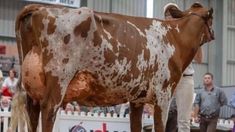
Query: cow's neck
point(189, 38)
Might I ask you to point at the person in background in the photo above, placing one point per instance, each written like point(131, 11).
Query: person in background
point(207, 104)
point(180, 110)
point(1, 78)
point(9, 84)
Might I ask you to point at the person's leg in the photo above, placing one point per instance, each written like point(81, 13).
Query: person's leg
point(184, 101)
point(212, 125)
point(171, 125)
point(203, 125)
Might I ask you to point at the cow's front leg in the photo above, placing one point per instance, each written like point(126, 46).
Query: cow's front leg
point(48, 117)
point(136, 117)
point(158, 122)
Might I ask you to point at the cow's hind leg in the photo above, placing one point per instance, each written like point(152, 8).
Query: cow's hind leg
point(50, 103)
point(136, 117)
point(158, 123)
point(33, 109)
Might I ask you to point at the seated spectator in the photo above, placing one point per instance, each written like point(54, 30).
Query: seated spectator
point(5, 103)
point(148, 109)
point(9, 84)
point(69, 107)
point(1, 78)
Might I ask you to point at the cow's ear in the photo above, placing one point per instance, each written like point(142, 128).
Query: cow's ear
point(176, 13)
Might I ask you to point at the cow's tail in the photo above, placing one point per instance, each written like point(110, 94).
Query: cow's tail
point(19, 114)
point(22, 17)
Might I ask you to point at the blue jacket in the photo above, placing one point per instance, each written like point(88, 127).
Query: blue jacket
point(232, 101)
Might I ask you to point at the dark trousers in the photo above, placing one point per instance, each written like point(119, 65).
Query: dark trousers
point(208, 125)
point(171, 125)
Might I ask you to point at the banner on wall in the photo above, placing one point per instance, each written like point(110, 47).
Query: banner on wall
point(2, 49)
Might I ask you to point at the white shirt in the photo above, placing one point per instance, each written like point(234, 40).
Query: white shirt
point(189, 70)
point(11, 84)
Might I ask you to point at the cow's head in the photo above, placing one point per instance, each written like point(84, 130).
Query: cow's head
point(204, 13)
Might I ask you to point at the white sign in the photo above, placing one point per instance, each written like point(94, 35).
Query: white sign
point(70, 3)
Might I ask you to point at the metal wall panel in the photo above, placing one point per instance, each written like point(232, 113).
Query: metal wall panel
point(99, 5)
point(126, 7)
point(8, 13)
point(129, 7)
point(231, 12)
point(229, 43)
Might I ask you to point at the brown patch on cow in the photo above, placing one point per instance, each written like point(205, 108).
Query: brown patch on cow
point(158, 117)
point(142, 94)
point(67, 38)
point(65, 60)
point(51, 25)
point(83, 28)
point(110, 57)
point(79, 12)
point(97, 39)
point(134, 90)
point(27, 73)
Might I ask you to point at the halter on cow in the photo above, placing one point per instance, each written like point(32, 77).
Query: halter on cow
point(103, 59)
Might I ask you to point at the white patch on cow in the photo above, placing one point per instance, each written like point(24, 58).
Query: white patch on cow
point(177, 28)
point(108, 34)
point(201, 40)
point(65, 24)
point(142, 64)
point(106, 44)
point(169, 27)
point(140, 32)
point(44, 31)
point(161, 51)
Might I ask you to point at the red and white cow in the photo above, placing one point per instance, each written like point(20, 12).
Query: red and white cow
point(103, 59)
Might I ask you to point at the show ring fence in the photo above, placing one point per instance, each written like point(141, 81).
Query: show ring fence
point(92, 122)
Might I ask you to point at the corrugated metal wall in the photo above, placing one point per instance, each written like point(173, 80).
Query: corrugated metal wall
point(8, 13)
point(99, 5)
point(129, 7)
point(126, 7)
point(229, 43)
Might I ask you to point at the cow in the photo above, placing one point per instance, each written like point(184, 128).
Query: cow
point(103, 59)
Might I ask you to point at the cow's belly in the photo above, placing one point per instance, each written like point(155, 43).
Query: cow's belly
point(32, 74)
point(86, 90)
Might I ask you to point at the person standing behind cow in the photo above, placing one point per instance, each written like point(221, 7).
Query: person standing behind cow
point(182, 102)
point(9, 84)
point(207, 104)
